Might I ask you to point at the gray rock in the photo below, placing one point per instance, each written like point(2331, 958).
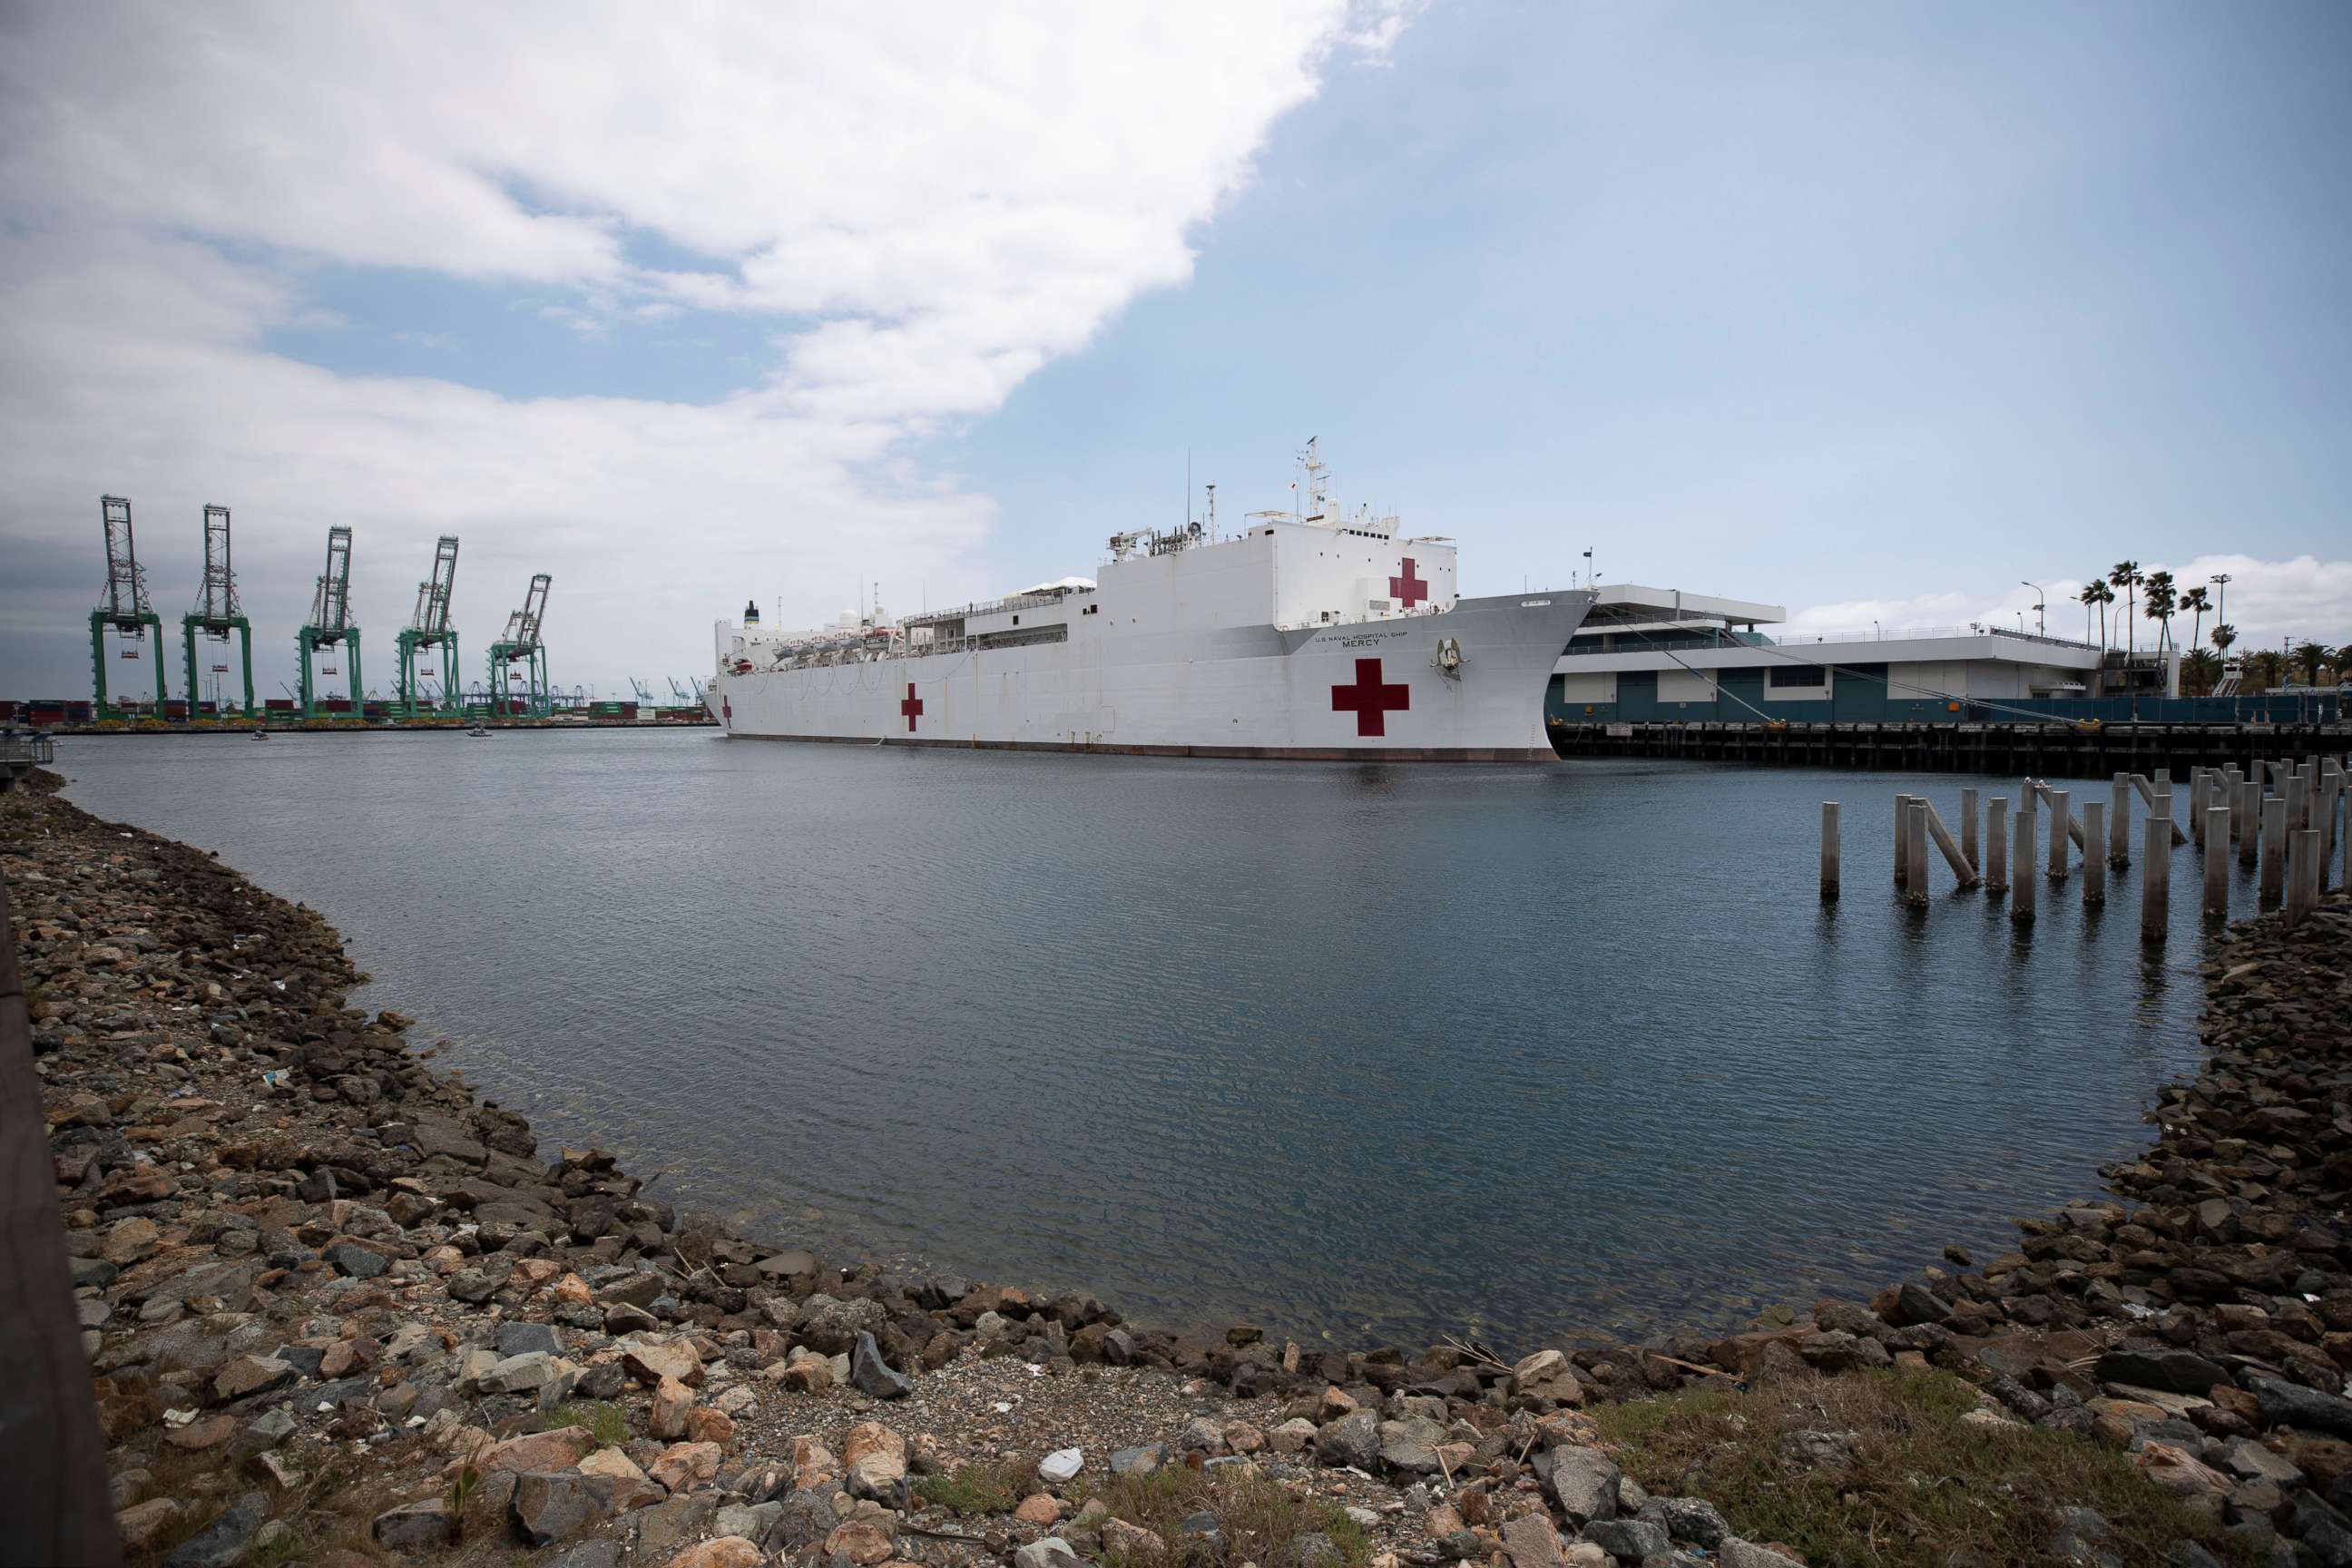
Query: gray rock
point(670, 1527)
point(592, 1554)
point(2172, 1371)
point(640, 1288)
point(521, 1339)
point(1353, 1439)
point(1629, 1540)
point(224, 1542)
point(2323, 1532)
point(2292, 1405)
point(2083, 1536)
point(525, 1374)
point(1052, 1551)
point(1582, 1482)
point(1689, 1519)
point(1837, 1351)
point(1314, 1550)
point(1812, 1450)
point(1737, 1553)
point(831, 1327)
point(1411, 1446)
point(869, 1372)
point(2189, 1554)
point(750, 1521)
point(1138, 1461)
point(550, 1506)
point(2245, 1457)
point(474, 1285)
point(803, 1518)
point(416, 1526)
point(359, 1262)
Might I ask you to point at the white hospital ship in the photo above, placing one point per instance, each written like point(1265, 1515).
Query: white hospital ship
point(1312, 635)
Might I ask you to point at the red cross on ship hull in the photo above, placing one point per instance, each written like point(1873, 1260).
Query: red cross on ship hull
point(912, 707)
point(1408, 590)
point(1370, 700)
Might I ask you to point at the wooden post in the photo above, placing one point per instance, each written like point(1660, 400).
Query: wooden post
point(52, 1463)
point(2061, 819)
point(1968, 832)
point(1914, 847)
point(2301, 875)
point(2119, 823)
point(2094, 864)
point(2217, 863)
point(2155, 882)
point(1828, 850)
point(1997, 845)
point(2021, 868)
point(2276, 812)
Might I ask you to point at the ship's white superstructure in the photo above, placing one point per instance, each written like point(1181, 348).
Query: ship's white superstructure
point(1311, 635)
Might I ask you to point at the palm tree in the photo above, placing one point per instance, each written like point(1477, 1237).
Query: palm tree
point(2160, 602)
point(2264, 668)
point(2097, 593)
point(2311, 656)
point(2195, 599)
point(2222, 638)
point(2344, 662)
point(2199, 670)
point(2126, 577)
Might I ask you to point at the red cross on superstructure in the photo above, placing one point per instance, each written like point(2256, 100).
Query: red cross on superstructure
point(911, 707)
point(1408, 590)
point(1371, 701)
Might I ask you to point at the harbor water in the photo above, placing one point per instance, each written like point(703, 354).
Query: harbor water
point(1347, 1050)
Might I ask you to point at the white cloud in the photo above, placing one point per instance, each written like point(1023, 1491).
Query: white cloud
point(911, 212)
point(2305, 599)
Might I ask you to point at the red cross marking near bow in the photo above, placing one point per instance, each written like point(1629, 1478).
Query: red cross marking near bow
point(911, 707)
point(1371, 701)
point(1408, 590)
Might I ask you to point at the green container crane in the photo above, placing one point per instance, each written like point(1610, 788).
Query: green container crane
point(217, 611)
point(126, 610)
point(331, 621)
point(521, 646)
point(429, 629)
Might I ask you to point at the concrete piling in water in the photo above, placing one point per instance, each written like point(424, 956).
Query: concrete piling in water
point(2217, 863)
point(2147, 793)
point(2301, 875)
point(2021, 868)
point(2155, 882)
point(1968, 831)
point(1996, 878)
point(2094, 864)
point(1902, 816)
point(2246, 822)
point(2061, 825)
point(2200, 788)
point(1914, 847)
point(1829, 849)
point(1962, 868)
point(2276, 811)
point(2119, 823)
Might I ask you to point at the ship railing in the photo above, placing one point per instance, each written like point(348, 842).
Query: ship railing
point(1010, 601)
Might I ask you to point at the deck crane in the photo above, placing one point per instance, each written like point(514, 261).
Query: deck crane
point(217, 611)
point(331, 623)
point(125, 610)
point(429, 629)
point(521, 646)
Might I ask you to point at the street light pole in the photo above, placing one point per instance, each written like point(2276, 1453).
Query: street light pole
point(2222, 607)
point(2041, 618)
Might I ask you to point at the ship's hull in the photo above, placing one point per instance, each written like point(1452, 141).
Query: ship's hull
point(1376, 690)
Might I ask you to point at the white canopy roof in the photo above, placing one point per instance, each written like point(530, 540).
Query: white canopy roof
point(1061, 585)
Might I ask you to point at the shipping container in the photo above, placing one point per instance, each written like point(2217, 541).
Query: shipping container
point(278, 705)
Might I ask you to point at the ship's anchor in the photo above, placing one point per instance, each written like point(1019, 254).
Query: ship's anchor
point(1448, 658)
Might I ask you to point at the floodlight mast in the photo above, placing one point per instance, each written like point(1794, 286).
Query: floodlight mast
point(126, 611)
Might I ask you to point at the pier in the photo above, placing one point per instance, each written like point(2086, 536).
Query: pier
point(2042, 750)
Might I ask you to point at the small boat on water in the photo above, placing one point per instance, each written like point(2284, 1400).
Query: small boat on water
point(477, 733)
point(261, 734)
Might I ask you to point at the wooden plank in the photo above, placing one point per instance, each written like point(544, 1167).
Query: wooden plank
point(53, 1489)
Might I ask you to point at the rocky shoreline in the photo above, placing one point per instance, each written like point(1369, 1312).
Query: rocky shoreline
point(339, 1310)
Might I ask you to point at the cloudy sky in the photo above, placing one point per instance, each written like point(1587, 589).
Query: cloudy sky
point(1871, 310)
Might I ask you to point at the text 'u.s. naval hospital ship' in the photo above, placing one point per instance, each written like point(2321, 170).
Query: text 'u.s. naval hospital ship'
point(1310, 634)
